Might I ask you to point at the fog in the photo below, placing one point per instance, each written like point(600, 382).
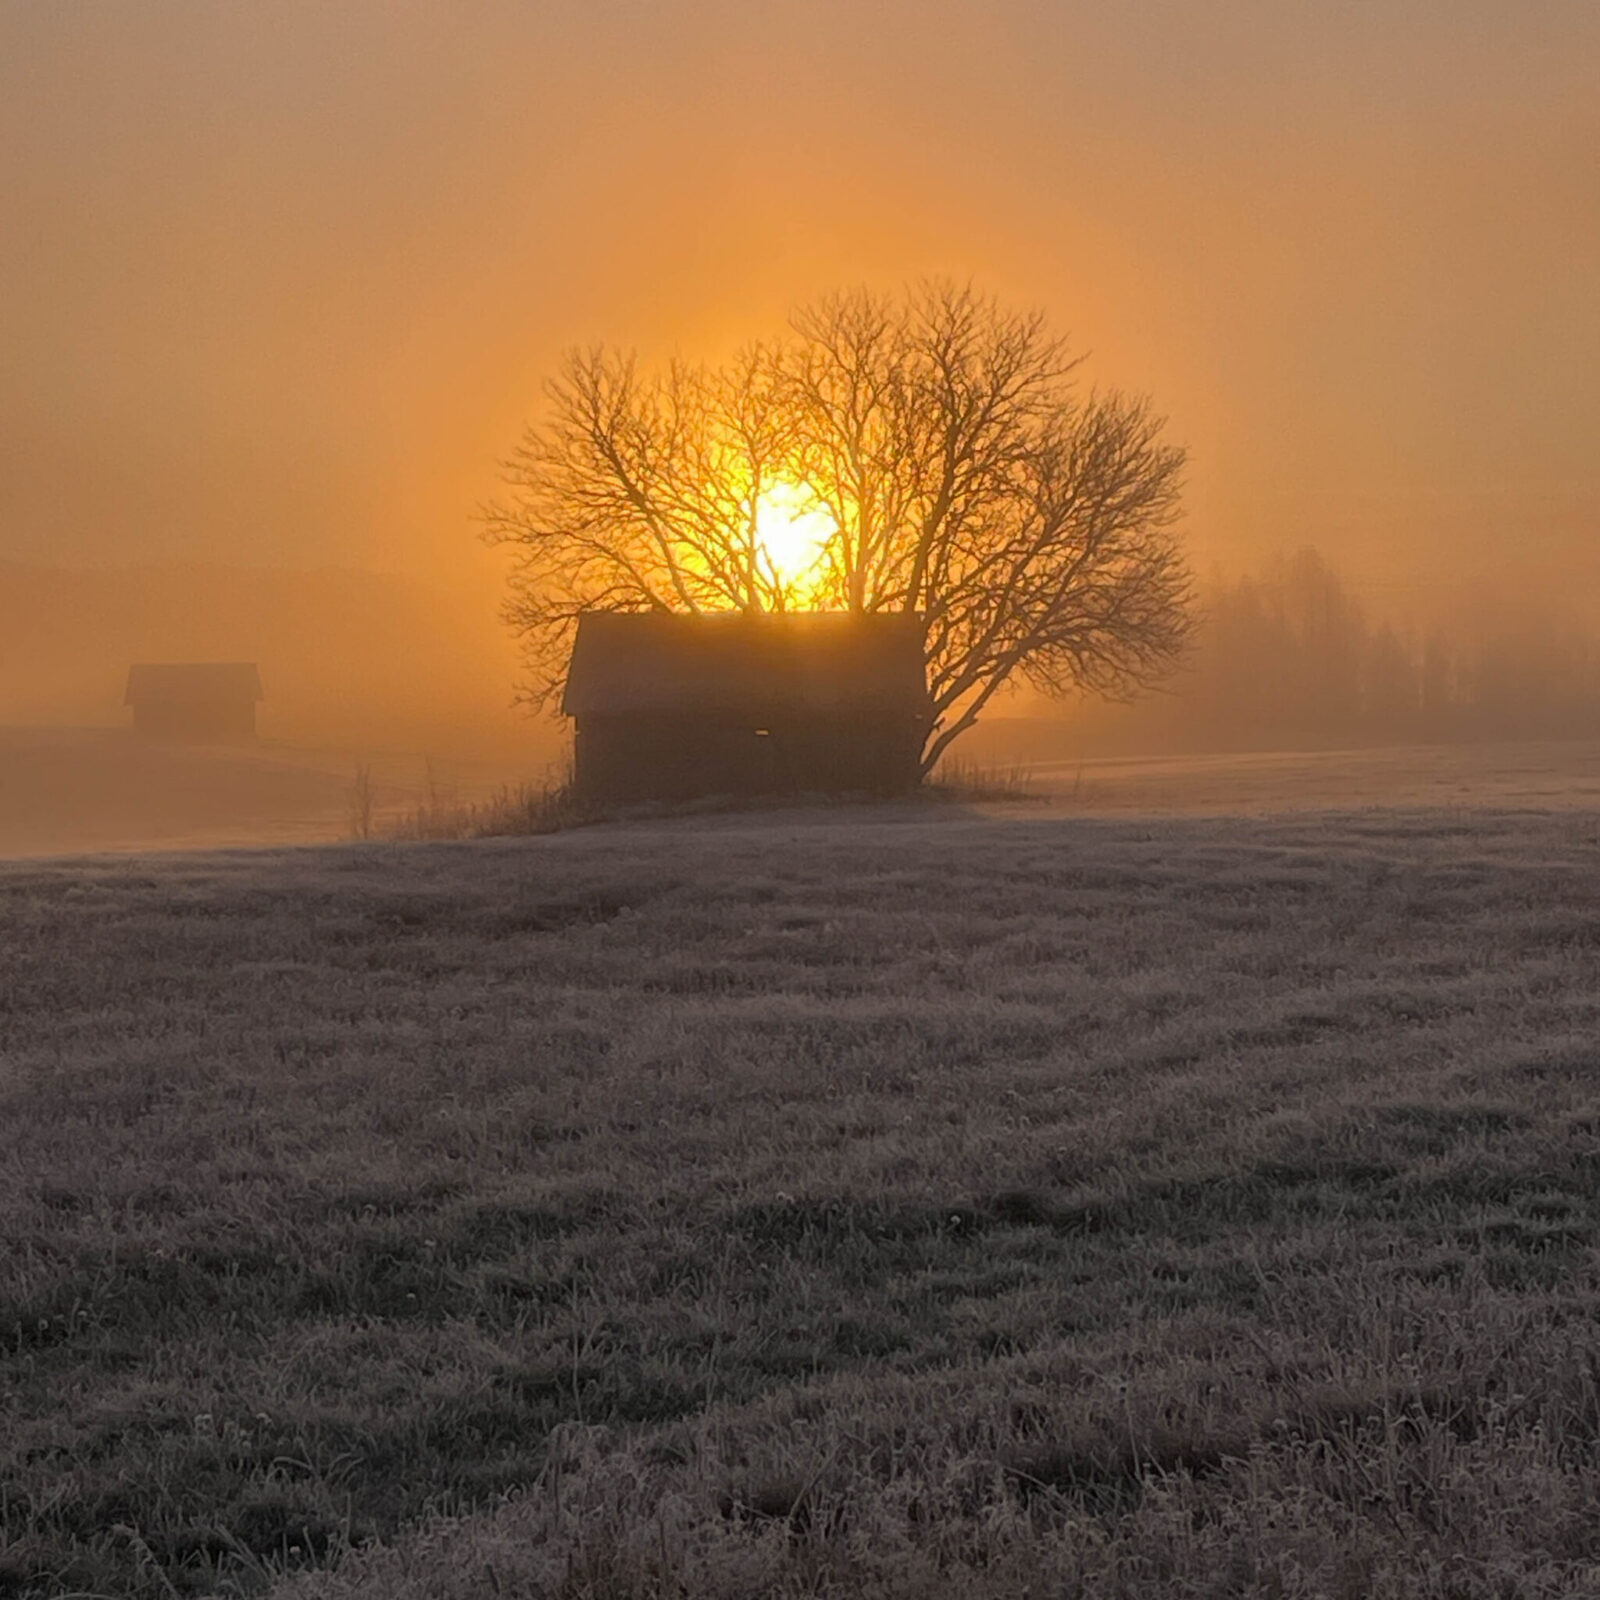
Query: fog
point(1288, 656)
point(348, 658)
point(278, 286)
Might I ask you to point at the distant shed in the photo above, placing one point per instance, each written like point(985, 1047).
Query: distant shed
point(203, 701)
point(671, 706)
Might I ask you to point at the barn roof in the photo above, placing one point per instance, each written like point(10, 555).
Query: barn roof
point(193, 683)
point(732, 663)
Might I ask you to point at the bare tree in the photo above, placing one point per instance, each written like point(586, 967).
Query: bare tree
point(962, 474)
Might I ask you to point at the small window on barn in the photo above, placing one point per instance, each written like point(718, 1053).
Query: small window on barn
point(763, 733)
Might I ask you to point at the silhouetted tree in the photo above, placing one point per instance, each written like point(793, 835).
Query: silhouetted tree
point(962, 474)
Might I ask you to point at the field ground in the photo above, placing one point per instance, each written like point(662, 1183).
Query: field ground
point(97, 789)
point(1552, 775)
point(906, 1202)
point(82, 789)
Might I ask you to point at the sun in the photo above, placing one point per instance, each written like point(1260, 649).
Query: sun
point(793, 533)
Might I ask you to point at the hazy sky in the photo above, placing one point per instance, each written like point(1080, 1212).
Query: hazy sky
point(278, 281)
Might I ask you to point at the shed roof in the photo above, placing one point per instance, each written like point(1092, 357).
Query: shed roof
point(732, 664)
point(192, 683)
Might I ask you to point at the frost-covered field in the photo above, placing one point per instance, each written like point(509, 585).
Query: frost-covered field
point(898, 1203)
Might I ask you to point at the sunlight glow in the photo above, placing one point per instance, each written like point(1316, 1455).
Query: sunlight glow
point(793, 534)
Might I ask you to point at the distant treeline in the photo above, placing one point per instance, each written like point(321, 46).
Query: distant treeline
point(1289, 657)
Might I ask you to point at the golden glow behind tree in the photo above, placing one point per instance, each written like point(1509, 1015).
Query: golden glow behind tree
point(929, 453)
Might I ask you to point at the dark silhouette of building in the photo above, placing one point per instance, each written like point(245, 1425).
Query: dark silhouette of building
point(203, 701)
point(673, 706)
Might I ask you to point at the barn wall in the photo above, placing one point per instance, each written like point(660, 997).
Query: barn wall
point(219, 722)
point(628, 758)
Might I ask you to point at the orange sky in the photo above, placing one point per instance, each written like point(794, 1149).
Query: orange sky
point(278, 281)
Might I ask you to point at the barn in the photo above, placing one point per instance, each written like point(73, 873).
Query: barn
point(671, 706)
point(201, 701)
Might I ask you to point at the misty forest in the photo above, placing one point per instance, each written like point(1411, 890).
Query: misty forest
point(799, 802)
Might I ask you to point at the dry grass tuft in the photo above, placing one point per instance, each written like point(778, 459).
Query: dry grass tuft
point(514, 809)
point(956, 778)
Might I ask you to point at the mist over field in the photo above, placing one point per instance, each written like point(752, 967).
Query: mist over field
point(414, 683)
point(348, 657)
point(417, 684)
